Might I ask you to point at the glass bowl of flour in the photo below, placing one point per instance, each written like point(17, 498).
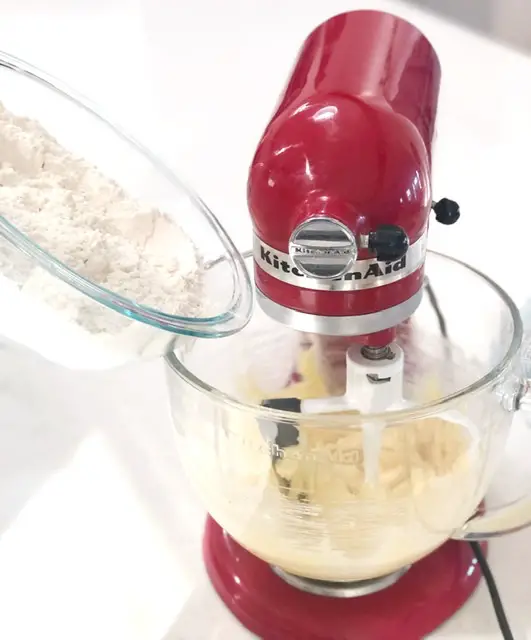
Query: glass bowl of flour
point(105, 256)
point(358, 496)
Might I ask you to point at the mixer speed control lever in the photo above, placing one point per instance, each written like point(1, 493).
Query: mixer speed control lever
point(389, 242)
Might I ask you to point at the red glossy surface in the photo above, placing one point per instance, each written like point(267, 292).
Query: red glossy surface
point(430, 593)
point(351, 138)
point(378, 339)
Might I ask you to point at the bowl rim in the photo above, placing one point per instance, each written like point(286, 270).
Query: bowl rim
point(354, 419)
point(226, 323)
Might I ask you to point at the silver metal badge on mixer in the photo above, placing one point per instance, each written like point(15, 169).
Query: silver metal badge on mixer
point(323, 248)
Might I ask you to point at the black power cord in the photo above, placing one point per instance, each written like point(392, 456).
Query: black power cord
point(497, 604)
point(494, 594)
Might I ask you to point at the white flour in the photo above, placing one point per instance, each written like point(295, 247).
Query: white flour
point(85, 220)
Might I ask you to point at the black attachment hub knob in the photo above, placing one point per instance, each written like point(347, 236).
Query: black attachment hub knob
point(446, 211)
point(287, 434)
point(389, 242)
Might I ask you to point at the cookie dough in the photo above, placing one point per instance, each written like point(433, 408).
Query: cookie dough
point(310, 509)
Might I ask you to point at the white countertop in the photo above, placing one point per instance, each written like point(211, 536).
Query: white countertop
point(99, 531)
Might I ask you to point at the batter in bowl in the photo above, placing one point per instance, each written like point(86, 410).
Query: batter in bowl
point(309, 508)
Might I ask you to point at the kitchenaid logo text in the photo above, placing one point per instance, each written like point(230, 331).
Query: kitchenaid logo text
point(315, 251)
point(374, 270)
point(365, 274)
point(271, 449)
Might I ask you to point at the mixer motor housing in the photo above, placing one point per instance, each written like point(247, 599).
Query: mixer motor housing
point(339, 189)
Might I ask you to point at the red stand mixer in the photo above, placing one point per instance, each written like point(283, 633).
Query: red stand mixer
point(340, 196)
point(344, 440)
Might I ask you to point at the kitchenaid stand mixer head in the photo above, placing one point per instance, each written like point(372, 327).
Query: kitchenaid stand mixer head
point(340, 194)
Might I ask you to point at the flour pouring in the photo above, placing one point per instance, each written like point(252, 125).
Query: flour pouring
point(343, 435)
point(105, 257)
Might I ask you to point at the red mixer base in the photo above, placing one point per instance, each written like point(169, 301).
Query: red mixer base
point(426, 596)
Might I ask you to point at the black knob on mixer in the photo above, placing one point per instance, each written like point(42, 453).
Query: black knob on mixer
point(389, 242)
point(446, 211)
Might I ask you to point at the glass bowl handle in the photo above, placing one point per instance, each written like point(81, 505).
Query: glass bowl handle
point(517, 514)
point(496, 523)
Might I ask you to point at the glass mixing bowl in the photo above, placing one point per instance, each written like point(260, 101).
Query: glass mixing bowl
point(82, 129)
point(310, 509)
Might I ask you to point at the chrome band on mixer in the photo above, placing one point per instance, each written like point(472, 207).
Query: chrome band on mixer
point(364, 274)
point(340, 325)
